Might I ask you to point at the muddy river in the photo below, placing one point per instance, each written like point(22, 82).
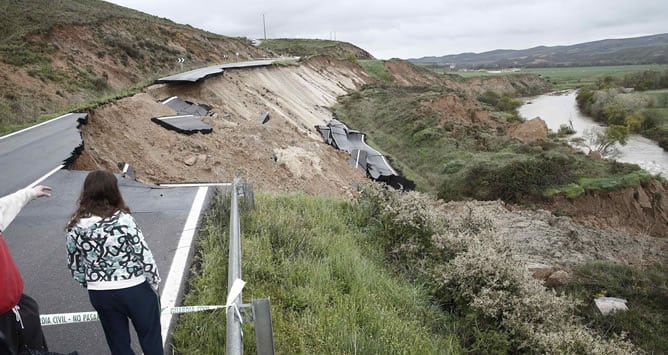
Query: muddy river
point(560, 108)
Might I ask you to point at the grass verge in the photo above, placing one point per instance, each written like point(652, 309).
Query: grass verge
point(329, 287)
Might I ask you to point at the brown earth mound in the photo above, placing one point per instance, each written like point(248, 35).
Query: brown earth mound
point(407, 74)
point(529, 131)
point(452, 109)
point(642, 210)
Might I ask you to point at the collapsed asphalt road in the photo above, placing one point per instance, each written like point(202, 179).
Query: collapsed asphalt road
point(36, 239)
point(29, 154)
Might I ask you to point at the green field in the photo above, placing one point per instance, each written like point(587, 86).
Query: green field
point(573, 77)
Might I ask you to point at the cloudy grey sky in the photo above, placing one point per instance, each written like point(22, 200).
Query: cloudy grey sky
point(418, 28)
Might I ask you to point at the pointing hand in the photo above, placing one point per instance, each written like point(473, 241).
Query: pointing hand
point(42, 191)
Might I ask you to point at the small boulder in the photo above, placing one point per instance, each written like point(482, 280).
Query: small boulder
point(596, 155)
point(540, 271)
point(190, 161)
point(609, 305)
point(560, 277)
point(530, 131)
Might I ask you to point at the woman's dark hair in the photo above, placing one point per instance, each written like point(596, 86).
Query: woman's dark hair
point(100, 196)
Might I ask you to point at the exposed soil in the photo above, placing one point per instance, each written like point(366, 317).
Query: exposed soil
point(284, 155)
point(541, 237)
point(452, 109)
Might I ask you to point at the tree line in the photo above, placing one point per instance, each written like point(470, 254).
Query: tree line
point(623, 104)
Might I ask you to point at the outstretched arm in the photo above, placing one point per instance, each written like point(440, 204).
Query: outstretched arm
point(11, 205)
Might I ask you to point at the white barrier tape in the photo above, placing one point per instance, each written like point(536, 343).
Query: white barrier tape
point(235, 291)
point(81, 317)
point(66, 318)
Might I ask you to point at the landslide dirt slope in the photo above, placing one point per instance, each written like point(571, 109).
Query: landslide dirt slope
point(284, 155)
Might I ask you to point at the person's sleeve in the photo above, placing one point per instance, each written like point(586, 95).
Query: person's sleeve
point(74, 260)
point(143, 253)
point(11, 205)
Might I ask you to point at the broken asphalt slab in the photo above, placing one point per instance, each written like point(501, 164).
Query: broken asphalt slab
point(186, 124)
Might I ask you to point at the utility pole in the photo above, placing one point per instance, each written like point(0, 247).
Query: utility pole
point(264, 27)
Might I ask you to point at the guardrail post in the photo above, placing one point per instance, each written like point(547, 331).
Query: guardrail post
point(264, 336)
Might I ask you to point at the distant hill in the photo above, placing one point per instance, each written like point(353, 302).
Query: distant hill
point(639, 50)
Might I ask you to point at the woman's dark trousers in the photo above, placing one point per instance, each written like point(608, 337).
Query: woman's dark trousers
point(141, 305)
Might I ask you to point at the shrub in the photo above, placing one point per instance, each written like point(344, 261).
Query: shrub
point(426, 135)
point(503, 308)
point(565, 130)
point(21, 55)
point(489, 97)
point(507, 104)
point(521, 178)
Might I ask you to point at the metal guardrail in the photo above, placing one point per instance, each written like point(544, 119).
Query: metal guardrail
point(233, 343)
point(261, 310)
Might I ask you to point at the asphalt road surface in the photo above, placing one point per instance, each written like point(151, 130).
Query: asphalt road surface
point(27, 155)
point(168, 216)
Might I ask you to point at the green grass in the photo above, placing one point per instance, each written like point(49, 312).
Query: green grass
point(82, 107)
point(602, 183)
point(573, 77)
point(310, 47)
point(376, 69)
point(330, 289)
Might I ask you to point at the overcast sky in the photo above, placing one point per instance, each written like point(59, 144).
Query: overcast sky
point(419, 28)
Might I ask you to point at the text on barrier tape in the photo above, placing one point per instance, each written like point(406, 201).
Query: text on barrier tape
point(81, 317)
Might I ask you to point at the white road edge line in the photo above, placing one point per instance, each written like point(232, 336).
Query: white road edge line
point(204, 184)
point(45, 176)
point(35, 126)
point(173, 283)
point(170, 99)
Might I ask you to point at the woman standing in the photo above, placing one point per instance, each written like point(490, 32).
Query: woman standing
point(107, 254)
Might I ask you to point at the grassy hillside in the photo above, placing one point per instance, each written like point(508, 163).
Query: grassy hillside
point(311, 47)
point(469, 161)
point(330, 290)
point(56, 55)
point(24, 17)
